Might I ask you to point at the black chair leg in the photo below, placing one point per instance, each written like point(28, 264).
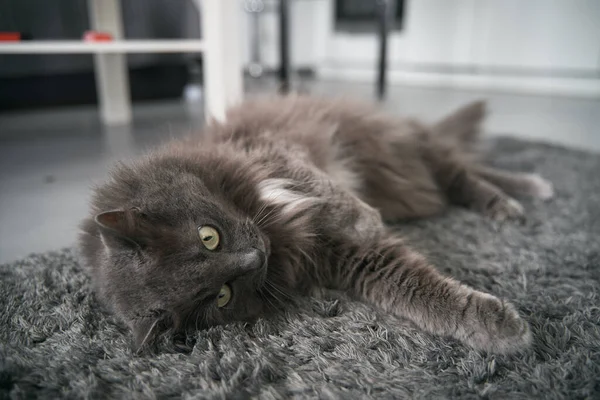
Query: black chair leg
point(284, 48)
point(386, 10)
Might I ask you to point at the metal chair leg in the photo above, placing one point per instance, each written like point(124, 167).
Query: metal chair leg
point(284, 48)
point(386, 11)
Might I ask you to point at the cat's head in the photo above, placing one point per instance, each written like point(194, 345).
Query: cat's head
point(179, 261)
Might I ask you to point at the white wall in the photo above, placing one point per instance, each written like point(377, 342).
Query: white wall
point(434, 32)
point(538, 34)
point(303, 39)
point(546, 46)
point(548, 35)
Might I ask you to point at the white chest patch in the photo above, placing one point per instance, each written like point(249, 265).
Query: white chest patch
point(280, 192)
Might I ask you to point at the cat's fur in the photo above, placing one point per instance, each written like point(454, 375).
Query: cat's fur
point(298, 188)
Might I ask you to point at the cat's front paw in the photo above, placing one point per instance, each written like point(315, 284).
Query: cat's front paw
point(506, 209)
point(539, 187)
point(496, 326)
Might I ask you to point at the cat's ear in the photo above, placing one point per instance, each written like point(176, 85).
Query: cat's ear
point(463, 125)
point(122, 228)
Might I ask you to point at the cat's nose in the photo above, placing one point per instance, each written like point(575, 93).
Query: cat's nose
point(254, 259)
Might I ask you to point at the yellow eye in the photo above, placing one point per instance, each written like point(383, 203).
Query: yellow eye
point(224, 296)
point(209, 237)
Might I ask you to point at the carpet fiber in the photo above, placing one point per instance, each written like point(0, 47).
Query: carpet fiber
point(55, 342)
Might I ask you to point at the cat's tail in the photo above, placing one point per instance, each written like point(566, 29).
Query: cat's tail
point(463, 127)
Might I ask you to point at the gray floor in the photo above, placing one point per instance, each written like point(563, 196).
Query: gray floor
point(50, 159)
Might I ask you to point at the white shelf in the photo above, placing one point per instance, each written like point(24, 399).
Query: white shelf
point(222, 64)
point(117, 46)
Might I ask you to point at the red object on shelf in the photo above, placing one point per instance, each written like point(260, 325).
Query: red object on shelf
point(10, 36)
point(94, 36)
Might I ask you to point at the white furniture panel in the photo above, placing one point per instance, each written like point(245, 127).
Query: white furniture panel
point(116, 46)
point(221, 45)
point(223, 59)
point(112, 78)
point(546, 35)
point(306, 32)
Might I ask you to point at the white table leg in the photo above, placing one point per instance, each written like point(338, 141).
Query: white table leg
point(222, 59)
point(112, 80)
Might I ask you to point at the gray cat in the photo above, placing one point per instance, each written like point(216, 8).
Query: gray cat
point(290, 194)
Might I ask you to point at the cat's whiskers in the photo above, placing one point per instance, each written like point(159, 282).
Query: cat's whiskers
point(271, 199)
point(268, 218)
point(196, 321)
point(265, 206)
point(269, 294)
point(187, 318)
point(274, 287)
point(276, 217)
point(199, 313)
point(205, 318)
point(267, 214)
point(148, 334)
point(260, 210)
point(308, 258)
point(288, 185)
point(268, 203)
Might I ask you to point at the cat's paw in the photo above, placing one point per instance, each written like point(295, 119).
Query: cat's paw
point(497, 327)
point(540, 187)
point(506, 208)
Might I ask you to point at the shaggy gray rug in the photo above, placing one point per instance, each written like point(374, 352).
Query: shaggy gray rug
point(57, 343)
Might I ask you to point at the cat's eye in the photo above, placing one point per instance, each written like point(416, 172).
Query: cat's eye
point(209, 237)
point(224, 296)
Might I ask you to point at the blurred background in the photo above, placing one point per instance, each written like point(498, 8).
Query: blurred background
point(72, 102)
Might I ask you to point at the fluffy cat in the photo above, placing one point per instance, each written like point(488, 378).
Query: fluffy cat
point(288, 194)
